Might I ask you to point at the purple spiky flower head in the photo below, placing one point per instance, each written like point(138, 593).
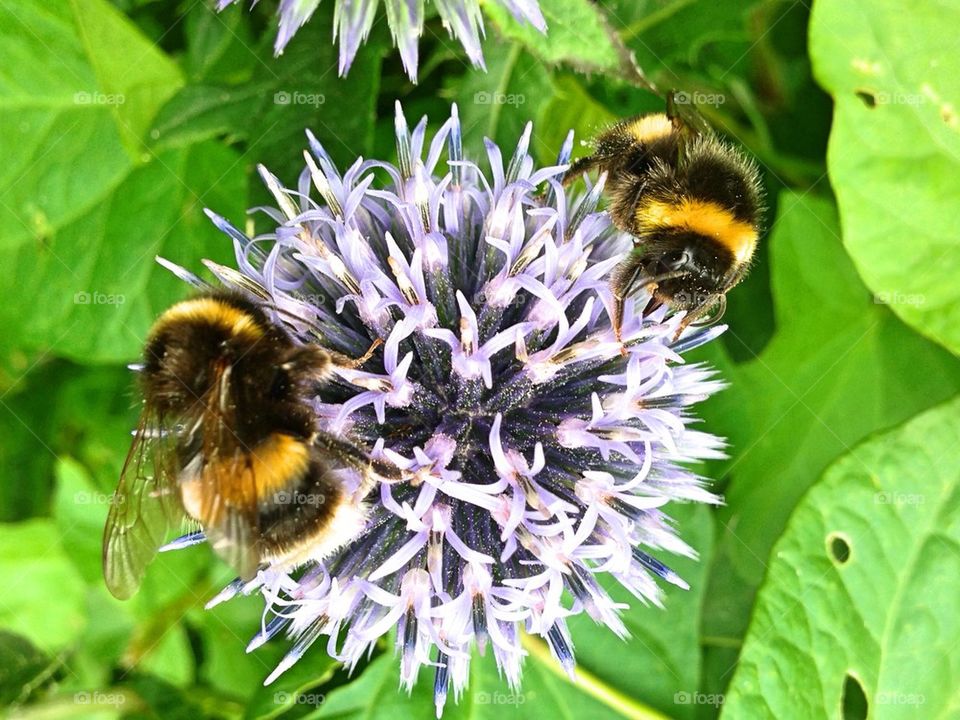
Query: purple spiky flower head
point(353, 19)
point(538, 452)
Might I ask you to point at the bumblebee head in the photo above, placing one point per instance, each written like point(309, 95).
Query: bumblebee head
point(692, 267)
point(193, 347)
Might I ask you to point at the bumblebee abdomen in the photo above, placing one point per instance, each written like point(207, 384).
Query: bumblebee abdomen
point(708, 219)
point(302, 512)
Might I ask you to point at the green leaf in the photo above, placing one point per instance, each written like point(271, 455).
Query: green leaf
point(45, 594)
point(839, 368)
point(894, 156)
point(26, 458)
point(498, 103)
point(219, 44)
point(93, 290)
point(78, 90)
point(170, 658)
point(225, 632)
point(865, 585)
point(680, 36)
point(570, 108)
point(577, 34)
point(80, 510)
point(298, 688)
point(133, 70)
point(271, 106)
point(664, 646)
point(23, 668)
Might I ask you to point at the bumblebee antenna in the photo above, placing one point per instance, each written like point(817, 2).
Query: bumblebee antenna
point(719, 301)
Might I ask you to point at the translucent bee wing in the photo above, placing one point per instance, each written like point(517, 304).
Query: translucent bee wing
point(143, 509)
point(685, 115)
point(229, 510)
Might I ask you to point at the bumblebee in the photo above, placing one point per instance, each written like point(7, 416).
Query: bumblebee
point(228, 439)
point(693, 203)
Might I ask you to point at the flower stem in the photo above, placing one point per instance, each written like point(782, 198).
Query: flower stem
point(591, 684)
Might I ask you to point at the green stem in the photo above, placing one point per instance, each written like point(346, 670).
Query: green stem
point(591, 684)
point(721, 641)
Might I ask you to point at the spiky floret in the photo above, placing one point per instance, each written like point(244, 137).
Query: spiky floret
point(353, 20)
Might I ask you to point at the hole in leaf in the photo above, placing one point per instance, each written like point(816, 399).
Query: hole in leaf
point(839, 548)
point(868, 98)
point(854, 699)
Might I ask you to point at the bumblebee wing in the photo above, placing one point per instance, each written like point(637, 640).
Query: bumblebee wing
point(228, 507)
point(685, 115)
point(144, 507)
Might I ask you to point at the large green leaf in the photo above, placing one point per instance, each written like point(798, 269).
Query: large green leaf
point(839, 368)
point(578, 33)
point(864, 587)
point(78, 88)
point(44, 598)
point(894, 155)
point(268, 102)
point(92, 290)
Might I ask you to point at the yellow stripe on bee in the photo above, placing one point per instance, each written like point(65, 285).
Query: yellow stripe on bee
point(278, 462)
point(702, 217)
point(650, 127)
point(213, 311)
point(242, 480)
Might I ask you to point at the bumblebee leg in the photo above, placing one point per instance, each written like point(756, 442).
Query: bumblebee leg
point(583, 165)
point(349, 363)
point(352, 455)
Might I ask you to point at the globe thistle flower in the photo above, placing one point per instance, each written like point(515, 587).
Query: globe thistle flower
point(538, 452)
point(353, 19)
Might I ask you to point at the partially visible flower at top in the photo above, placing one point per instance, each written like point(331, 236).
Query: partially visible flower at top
point(352, 20)
point(539, 453)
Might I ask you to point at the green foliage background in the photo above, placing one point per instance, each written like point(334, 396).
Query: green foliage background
point(829, 584)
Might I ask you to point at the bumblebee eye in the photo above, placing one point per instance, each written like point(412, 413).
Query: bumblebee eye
point(681, 261)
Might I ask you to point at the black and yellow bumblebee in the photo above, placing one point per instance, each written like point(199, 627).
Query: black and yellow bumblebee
point(228, 440)
point(692, 202)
